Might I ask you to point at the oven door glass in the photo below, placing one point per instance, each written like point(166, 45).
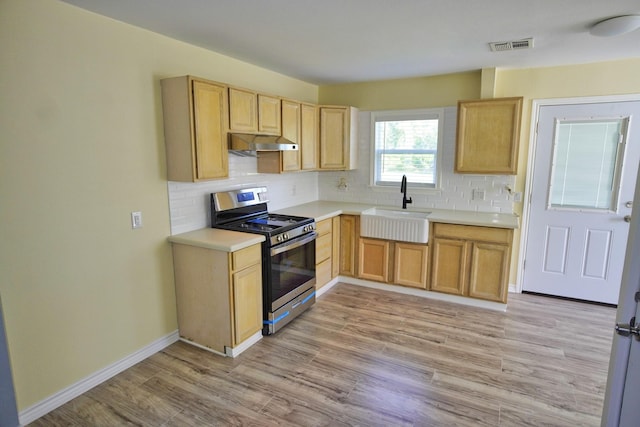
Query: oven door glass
point(293, 264)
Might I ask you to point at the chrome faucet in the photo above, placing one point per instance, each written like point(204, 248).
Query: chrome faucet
point(403, 190)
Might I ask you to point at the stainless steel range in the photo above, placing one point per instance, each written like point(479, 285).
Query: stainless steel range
point(288, 254)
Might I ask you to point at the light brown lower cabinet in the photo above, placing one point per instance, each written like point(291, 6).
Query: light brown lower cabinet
point(349, 235)
point(219, 295)
point(471, 261)
point(324, 248)
point(374, 259)
point(335, 252)
point(411, 264)
point(399, 263)
point(327, 250)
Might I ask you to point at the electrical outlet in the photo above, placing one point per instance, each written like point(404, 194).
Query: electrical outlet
point(517, 197)
point(136, 219)
point(294, 190)
point(478, 194)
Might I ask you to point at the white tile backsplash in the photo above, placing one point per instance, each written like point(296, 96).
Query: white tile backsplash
point(456, 191)
point(189, 202)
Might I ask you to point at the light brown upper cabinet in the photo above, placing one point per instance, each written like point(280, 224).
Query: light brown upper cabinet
point(309, 129)
point(338, 138)
point(488, 136)
point(251, 112)
point(195, 129)
point(243, 110)
point(289, 160)
point(269, 115)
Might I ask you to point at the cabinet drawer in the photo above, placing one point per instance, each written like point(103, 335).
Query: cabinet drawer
point(472, 232)
point(246, 257)
point(323, 273)
point(324, 244)
point(323, 227)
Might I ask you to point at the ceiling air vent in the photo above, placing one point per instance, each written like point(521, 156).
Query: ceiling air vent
point(511, 45)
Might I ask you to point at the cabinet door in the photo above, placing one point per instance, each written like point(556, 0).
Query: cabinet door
point(291, 131)
point(411, 264)
point(449, 266)
point(374, 259)
point(243, 110)
point(247, 302)
point(335, 252)
point(269, 115)
point(210, 132)
point(195, 115)
point(489, 275)
point(309, 136)
point(334, 138)
point(488, 135)
point(349, 233)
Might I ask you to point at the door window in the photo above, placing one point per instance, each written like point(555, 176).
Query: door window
point(586, 164)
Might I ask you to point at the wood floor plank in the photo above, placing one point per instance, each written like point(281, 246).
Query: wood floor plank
point(366, 357)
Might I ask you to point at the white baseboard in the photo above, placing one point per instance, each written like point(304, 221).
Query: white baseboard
point(234, 352)
point(63, 396)
point(497, 306)
point(327, 286)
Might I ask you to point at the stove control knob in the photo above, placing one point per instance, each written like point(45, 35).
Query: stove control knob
point(286, 236)
point(279, 238)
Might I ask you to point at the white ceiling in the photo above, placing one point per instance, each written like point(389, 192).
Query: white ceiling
point(333, 41)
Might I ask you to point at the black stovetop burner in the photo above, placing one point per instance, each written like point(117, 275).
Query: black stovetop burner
point(271, 222)
point(246, 210)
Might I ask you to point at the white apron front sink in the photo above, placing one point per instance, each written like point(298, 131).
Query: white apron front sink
point(390, 224)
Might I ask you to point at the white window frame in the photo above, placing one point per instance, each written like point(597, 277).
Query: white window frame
point(417, 114)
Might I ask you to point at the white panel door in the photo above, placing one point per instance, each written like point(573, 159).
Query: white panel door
point(586, 161)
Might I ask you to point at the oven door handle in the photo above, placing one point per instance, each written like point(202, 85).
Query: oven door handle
point(295, 243)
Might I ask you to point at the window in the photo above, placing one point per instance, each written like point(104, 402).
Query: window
point(406, 143)
point(586, 164)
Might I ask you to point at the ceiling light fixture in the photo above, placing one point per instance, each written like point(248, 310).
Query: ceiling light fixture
point(616, 26)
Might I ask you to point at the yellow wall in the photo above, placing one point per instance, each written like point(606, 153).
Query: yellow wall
point(598, 79)
point(607, 78)
point(81, 146)
point(420, 92)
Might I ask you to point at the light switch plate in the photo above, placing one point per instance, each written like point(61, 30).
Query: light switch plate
point(136, 219)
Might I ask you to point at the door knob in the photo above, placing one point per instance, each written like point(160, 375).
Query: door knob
point(627, 218)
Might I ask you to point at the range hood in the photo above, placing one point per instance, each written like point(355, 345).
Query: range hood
point(241, 142)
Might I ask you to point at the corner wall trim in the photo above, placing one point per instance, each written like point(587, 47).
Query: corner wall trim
point(63, 396)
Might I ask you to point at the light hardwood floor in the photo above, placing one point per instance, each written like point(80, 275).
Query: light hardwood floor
point(367, 357)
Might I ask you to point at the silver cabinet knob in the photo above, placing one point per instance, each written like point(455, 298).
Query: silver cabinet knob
point(627, 218)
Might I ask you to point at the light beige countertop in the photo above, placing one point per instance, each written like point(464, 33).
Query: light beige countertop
point(220, 240)
point(231, 241)
point(321, 210)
